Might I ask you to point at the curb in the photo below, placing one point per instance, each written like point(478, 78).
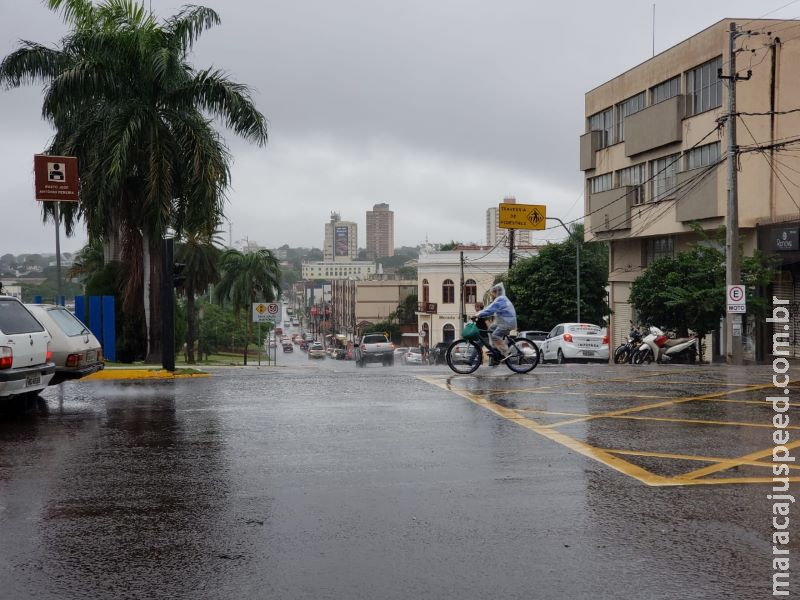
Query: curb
point(139, 374)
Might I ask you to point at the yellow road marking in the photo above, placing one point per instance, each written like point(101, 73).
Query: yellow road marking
point(734, 462)
point(709, 459)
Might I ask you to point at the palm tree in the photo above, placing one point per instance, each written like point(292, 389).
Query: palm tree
point(200, 255)
point(248, 278)
point(123, 98)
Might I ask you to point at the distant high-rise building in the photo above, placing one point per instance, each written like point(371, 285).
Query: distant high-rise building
point(380, 231)
point(522, 237)
point(341, 240)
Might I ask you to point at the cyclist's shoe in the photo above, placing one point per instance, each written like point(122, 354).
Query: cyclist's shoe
point(493, 362)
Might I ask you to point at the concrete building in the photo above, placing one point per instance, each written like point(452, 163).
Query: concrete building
point(522, 237)
point(654, 152)
point(355, 269)
point(380, 231)
point(356, 304)
point(341, 240)
point(439, 277)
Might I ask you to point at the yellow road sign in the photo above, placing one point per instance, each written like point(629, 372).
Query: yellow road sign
point(522, 216)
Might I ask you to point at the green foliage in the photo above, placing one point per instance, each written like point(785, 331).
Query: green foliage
point(220, 331)
point(407, 310)
point(542, 287)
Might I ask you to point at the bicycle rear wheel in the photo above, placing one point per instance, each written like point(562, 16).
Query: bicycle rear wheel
point(523, 355)
point(464, 356)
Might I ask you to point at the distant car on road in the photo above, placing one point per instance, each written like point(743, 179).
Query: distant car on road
point(575, 341)
point(76, 351)
point(436, 356)
point(316, 350)
point(413, 357)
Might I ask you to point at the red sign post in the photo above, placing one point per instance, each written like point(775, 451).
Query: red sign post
point(55, 178)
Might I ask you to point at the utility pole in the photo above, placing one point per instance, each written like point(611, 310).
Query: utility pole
point(510, 248)
point(462, 308)
point(733, 322)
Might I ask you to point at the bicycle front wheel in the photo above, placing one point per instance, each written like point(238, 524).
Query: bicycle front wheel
point(464, 356)
point(523, 355)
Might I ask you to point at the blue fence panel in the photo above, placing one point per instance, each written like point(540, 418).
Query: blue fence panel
point(80, 308)
point(37, 299)
point(96, 318)
point(109, 329)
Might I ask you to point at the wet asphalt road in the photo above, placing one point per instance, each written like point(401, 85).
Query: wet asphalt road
point(318, 480)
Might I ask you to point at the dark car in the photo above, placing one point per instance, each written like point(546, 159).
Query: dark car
point(436, 355)
point(288, 347)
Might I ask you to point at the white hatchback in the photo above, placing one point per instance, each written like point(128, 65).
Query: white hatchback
point(76, 351)
point(575, 341)
point(25, 356)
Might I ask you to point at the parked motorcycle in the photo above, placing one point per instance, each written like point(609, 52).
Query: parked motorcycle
point(624, 352)
point(657, 346)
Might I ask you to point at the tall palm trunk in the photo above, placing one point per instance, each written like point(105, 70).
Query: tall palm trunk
point(191, 323)
point(146, 287)
point(153, 299)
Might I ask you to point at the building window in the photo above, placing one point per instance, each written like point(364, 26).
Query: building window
point(601, 183)
point(663, 173)
point(603, 121)
point(448, 292)
point(655, 248)
point(448, 333)
point(626, 109)
point(666, 90)
point(426, 291)
point(470, 291)
point(633, 177)
point(702, 156)
point(704, 87)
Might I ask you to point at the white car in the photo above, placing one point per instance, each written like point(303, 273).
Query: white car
point(575, 341)
point(76, 352)
point(26, 365)
point(413, 357)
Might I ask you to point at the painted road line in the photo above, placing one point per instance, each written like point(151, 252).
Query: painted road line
point(689, 457)
point(734, 462)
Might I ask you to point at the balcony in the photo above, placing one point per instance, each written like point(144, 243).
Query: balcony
point(655, 126)
point(611, 210)
point(700, 199)
point(590, 143)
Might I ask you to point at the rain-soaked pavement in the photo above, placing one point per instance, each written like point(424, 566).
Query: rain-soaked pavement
point(318, 480)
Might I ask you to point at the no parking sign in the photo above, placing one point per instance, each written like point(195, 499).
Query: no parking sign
point(737, 302)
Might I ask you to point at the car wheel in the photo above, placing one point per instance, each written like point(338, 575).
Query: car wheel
point(560, 357)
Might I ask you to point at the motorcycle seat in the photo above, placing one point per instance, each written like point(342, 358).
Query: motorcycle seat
point(677, 341)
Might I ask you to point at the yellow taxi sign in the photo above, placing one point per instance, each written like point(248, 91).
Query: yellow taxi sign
point(522, 216)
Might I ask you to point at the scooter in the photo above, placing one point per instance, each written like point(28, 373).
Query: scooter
point(624, 352)
point(656, 346)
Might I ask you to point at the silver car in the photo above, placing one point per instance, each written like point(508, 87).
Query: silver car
point(76, 351)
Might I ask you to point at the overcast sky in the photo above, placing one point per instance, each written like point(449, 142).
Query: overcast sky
point(439, 107)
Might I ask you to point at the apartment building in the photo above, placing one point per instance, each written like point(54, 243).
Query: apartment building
point(380, 231)
point(341, 240)
point(654, 158)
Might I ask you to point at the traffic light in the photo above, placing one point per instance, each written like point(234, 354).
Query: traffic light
point(178, 278)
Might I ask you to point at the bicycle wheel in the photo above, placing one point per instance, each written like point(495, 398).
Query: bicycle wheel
point(523, 355)
point(464, 356)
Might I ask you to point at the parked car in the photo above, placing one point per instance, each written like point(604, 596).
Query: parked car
point(316, 350)
point(76, 351)
point(413, 357)
point(534, 335)
point(26, 365)
point(575, 341)
point(400, 353)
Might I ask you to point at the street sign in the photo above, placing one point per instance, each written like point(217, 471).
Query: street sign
point(737, 301)
point(55, 178)
point(265, 312)
point(522, 216)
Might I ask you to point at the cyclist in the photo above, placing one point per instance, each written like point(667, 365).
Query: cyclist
point(505, 319)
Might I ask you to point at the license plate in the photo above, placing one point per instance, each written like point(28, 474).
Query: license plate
point(33, 380)
point(588, 352)
point(91, 356)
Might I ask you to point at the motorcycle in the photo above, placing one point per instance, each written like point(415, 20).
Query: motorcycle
point(624, 352)
point(657, 346)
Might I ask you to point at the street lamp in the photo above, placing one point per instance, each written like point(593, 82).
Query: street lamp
point(577, 267)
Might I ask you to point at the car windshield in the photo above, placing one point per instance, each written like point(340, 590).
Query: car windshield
point(584, 328)
point(415, 351)
point(374, 339)
point(15, 318)
point(67, 322)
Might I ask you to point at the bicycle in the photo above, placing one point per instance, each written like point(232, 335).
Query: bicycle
point(465, 355)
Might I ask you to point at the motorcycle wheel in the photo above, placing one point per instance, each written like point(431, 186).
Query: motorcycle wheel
point(642, 356)
point(622, 355)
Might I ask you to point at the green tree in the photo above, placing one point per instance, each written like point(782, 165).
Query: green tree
point(122, 97)
point(200, 255)
point(247, 278)
point(88, 260)
point(542, 287)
